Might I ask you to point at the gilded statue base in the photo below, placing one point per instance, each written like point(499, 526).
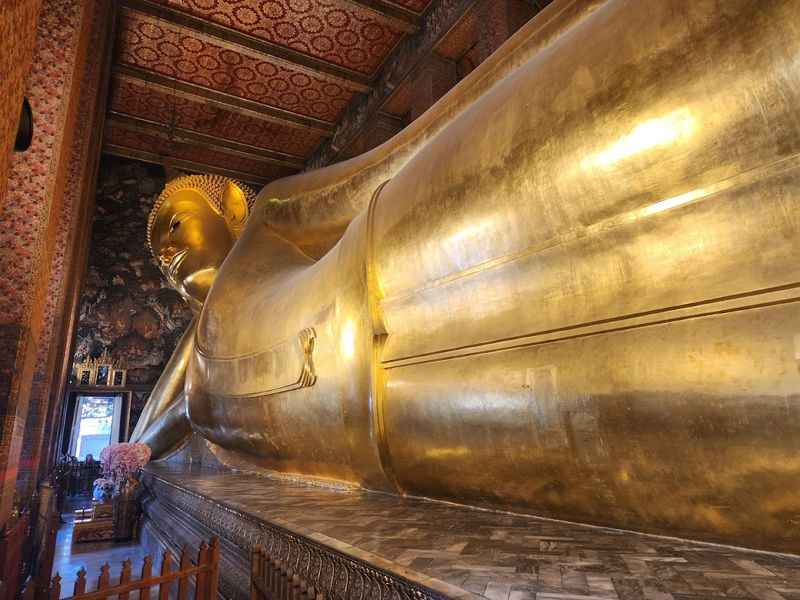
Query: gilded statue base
point(112, 521)
point(177, 513)
point(356, 544)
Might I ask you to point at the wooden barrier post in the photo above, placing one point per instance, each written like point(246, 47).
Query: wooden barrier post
point(55, 588)
point(202, 577)
point(206, 573)
point(213, 577)
point(105, 579)
point(166, 564)
point(80, 583)
point(183, 582)
point(125, 577)
point(147, 572)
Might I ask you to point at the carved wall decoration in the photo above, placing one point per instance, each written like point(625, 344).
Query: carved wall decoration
point(18, 30)
point(127, 311)
point(42, 212)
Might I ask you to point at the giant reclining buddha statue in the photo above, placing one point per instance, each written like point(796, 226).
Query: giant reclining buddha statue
point(568, 289)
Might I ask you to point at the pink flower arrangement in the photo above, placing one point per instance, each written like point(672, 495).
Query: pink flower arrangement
point(120, 461)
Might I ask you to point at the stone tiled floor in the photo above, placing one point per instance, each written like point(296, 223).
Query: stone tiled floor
point(70, 559)
point(485, 554)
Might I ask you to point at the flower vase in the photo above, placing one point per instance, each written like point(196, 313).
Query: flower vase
point(101, 493)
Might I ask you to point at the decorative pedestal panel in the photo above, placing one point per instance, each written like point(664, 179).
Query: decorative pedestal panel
point(174, 516)
point(95, 524)
point(106, 521)
point(353, 544)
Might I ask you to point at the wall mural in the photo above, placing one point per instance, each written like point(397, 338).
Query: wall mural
point(126, 307)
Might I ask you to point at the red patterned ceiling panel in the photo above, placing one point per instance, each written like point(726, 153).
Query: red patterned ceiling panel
point(333, 30)
point(150, 102)
point(136, 140)
point(167, 49)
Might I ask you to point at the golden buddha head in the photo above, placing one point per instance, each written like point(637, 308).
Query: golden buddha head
point(192, 227)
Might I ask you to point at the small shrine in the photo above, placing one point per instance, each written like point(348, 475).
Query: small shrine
point(102, 371)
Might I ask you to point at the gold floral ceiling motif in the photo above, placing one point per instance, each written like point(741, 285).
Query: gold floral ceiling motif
point(343, 33)
point(148, 44)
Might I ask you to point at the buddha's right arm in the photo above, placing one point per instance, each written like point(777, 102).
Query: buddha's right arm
point(168, 388)
point(312, 209)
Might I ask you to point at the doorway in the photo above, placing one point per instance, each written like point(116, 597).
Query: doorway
point(96, 424)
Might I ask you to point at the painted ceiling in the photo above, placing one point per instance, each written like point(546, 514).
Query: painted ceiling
point(261, 89)
point(247, 88)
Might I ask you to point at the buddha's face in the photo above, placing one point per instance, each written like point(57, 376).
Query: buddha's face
point(190, 240)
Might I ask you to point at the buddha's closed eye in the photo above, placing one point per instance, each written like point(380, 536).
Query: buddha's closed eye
point(176, 221)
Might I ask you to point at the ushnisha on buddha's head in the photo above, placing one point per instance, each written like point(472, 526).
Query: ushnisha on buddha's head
point(192, 227)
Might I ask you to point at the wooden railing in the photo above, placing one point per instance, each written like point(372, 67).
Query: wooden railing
point(43, 543)
point(272, 579)
point(76, 478)
point(205, 573)
point(12, 553)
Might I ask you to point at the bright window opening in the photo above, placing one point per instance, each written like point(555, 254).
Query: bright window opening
point(96, 425)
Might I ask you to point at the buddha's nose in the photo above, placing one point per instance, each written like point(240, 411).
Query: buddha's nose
point(167, 254)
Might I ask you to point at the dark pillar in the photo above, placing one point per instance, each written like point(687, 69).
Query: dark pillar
point(40, 220)
point(432, 80)
point(497, 21)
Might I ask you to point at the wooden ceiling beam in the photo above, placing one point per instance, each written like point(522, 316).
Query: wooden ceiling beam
point(351, 79)
point(185, 165)
point(405, 20)
point(209, 142)
point(227, 101)
point(168, 89)
point(434, 26)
